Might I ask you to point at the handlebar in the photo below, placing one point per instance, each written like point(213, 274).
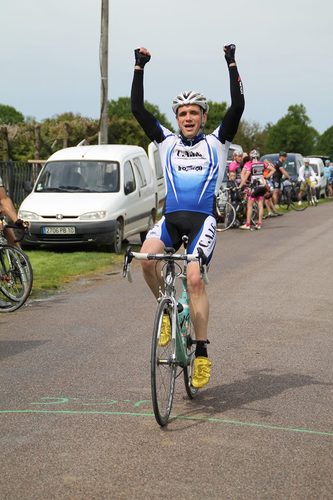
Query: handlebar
point(169, 255)
point(19, 225)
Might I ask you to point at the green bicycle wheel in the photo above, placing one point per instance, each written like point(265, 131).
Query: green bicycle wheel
point(163, 368)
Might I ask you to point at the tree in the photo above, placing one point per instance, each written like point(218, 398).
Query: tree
point(251, 136)
point(217, 110)
point(121, 108)
point(325, 143)
point(292, 132)
point(9, 115)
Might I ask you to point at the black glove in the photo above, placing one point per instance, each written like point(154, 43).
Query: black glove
point(19, 223)
point(140, 59)
point(229, 53)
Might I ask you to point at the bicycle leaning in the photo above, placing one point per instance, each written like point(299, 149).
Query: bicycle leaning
point(16, 275)
point(169, 361)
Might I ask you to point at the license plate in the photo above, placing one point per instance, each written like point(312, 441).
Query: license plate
point(58, 230)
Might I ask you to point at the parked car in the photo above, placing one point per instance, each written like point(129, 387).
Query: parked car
point(323, 157)
point(321, 181)
point(93, 195)
point(292, 165)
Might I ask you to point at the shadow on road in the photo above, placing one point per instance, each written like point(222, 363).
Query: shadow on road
point(259, 385)
point(12, 347)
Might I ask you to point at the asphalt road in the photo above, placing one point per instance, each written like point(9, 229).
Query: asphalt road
point(76, 418)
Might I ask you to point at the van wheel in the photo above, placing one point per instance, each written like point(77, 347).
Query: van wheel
point(151, 223)
point(118, 238)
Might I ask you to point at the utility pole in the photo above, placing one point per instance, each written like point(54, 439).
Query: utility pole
point(104, 41)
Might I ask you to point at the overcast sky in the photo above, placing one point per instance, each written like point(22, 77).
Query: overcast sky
point(49, 59)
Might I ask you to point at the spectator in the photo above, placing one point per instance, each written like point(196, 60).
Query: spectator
point(328, 171)
point(236, 165)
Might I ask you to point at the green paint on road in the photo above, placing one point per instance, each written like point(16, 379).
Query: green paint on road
point(178, 417)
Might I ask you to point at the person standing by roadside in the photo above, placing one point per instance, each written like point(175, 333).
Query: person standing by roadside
point(280, 171)
point(328, 172)
point(236, 165)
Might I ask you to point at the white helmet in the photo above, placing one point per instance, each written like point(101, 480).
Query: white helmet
point(190, 97)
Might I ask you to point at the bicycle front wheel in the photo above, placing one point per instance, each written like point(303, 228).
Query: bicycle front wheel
point(226, 216)
point(15, 278)
point(163, 368)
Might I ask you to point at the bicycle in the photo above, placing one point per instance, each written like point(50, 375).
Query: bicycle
point(289, 197)
point(179, 354)
point(16, 274)
point(225, 211)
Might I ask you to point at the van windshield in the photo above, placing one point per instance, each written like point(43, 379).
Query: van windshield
point(79, 176)
point(290, 166)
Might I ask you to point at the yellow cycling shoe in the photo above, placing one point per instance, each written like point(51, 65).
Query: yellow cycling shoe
point(201, 372)
point(165, 334)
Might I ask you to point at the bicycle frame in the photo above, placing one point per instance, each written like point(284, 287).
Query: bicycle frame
point(180, 356)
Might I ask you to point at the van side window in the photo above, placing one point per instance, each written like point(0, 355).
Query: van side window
point(142, 177)
point(158, 164)
point(129, 179)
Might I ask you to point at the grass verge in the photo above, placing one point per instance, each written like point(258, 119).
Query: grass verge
point(53, 269)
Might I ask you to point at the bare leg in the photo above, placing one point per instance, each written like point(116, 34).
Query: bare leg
point(261, 211)
point(199, 305)
point(249, 211)
point(152, 269)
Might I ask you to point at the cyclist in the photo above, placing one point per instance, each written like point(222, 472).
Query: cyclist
point(268, 196)
point(280, 171)
point(194, 165)
point(253, 176)
point(306, 176)
point(7, 210)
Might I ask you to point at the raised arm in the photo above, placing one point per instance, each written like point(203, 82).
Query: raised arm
point(233, 115)
point(147, 121)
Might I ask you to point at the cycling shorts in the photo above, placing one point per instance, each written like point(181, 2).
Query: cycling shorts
point(200, 229)
point(305, 183)
point(276, 184)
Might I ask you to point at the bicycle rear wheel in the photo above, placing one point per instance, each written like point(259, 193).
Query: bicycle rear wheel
point(163, 368)
point(299, 207)
point(226, 216)
point(15, 278)
point(188, 370)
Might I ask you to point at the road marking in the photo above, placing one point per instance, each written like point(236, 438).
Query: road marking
point(177, 417)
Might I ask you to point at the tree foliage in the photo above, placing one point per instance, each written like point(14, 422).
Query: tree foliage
point(9, 115)
point(325, 143)
point(217, 110)
point(292, 132)
point(27, 139)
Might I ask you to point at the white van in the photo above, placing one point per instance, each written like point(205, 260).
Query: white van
point(93, 194)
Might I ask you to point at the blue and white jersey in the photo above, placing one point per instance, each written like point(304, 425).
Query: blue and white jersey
point(193, 173)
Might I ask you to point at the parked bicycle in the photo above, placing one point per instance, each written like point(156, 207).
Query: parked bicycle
point(176, 357)
point(231, 207)
point(225, 212)
point(290, 196)
point(16, 275)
